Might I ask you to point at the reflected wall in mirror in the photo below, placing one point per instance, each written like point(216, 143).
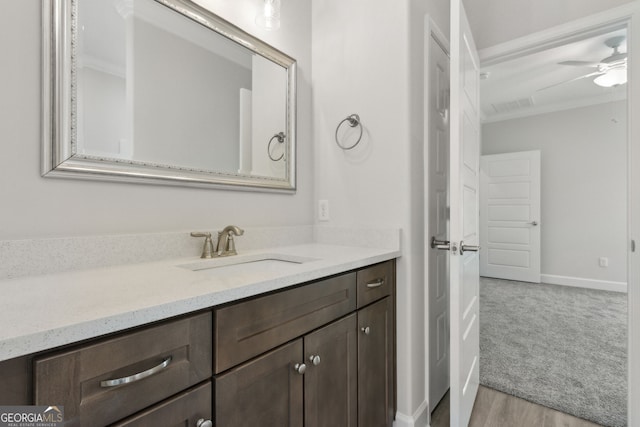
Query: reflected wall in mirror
point(164, 91)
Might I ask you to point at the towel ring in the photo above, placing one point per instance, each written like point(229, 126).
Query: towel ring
point(353, 120)
point(280, 136)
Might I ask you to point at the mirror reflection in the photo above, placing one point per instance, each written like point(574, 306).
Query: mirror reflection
point(155, 87)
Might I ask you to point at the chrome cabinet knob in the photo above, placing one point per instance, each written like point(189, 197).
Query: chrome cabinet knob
point(300, 368)
point(366, 330)
point(314, 359)
point(204, 423)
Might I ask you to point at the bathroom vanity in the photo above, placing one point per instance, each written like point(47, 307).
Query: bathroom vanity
point(262, 347)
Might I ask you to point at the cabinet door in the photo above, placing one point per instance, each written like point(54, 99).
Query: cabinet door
point(266, 391)
point(331, 378)
point(375, 365)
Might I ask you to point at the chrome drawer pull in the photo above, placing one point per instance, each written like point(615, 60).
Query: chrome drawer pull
point(138, 376)
point(375, 284)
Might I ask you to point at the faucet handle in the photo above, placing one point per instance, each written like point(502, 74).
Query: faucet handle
point(200, 234)
point(207, 249)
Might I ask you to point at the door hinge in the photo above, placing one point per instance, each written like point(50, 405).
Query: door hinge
point(633, 245)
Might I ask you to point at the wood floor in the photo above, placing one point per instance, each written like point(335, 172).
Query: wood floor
point(495, 409)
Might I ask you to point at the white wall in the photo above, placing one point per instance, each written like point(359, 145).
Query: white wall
point(186, 101)
point(583, 186)
point(32, 206)
point(367, 59)
point(498, 21)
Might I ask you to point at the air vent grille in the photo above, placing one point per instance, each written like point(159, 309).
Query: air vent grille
point(511, 106)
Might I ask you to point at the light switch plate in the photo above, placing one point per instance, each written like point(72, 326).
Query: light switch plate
point(323, 210)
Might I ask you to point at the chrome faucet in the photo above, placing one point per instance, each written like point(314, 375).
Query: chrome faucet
point(226, 246)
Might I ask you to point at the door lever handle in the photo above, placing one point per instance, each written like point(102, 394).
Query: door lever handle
point(443, 245)
point(468, 248)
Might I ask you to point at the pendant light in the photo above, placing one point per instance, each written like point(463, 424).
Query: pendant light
point(269, 16)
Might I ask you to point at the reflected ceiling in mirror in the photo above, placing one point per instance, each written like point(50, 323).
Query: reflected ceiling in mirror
point(164, 91)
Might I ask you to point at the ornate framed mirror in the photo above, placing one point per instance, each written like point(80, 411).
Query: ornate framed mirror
point(164, 91)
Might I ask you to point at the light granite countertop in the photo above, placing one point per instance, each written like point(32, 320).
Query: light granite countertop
point(46, 311)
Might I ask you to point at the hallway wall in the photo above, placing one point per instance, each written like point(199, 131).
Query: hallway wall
point(368, 59)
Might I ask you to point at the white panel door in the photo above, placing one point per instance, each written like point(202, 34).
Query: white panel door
point(510, 216)
point(464, 222)
point(463, 193)
point(438, 222)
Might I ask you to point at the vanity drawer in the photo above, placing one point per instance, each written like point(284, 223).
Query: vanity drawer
point(168, 358)
point(250, 328)
point(184, 410)
point(375, 282)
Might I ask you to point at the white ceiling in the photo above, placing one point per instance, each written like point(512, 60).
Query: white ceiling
point(499, 21)
point(516, 83)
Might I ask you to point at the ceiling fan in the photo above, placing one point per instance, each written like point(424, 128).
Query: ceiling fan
point(611, 71)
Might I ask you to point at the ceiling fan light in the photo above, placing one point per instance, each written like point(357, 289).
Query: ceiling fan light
point(613, 77)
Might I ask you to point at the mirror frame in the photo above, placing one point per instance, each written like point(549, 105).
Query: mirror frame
point(59, 159)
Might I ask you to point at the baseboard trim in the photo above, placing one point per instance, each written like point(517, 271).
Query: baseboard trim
point(420, 417)
point(579, 282)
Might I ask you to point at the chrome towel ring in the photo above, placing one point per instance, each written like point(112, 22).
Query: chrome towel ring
point(353, 120)
point(280, 136)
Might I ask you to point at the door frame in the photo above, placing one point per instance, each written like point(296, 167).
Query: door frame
point(629, 16)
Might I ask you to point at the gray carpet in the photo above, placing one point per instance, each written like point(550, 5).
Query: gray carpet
point(561, 347)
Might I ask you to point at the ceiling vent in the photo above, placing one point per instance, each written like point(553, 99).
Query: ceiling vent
point(511, 106)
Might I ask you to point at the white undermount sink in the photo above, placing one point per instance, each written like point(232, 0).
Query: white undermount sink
point(254, 262)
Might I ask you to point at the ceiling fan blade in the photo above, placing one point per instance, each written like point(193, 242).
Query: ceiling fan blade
point(580, 63)
point(597, 73)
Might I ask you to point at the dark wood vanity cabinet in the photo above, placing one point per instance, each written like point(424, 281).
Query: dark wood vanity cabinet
point(336, 369)
point(15, 382)
point(107, 381)
point(249, 328)
point(321, 354)
point(376, 365)
point(269, 390)
point(331, 377)
point(263, 392)
point(188, 409)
